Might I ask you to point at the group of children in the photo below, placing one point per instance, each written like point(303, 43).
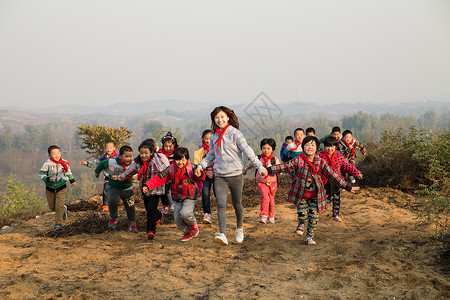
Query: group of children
point(169, 176)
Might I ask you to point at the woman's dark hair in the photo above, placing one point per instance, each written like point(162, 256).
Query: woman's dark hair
point(124, 149)
point(336, 129)
point(150, 144)
point(233, 119)
point(169, 137)
point(270, 142)
point(289, 137)
point(207, 131)
point(346, 132)
point(330, 141)
point(180, 153)
point(308, 139)
point(310, 129)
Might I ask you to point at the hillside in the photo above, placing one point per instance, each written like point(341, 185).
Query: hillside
point(380, 251)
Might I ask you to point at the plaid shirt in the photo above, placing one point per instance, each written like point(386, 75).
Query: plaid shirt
point(347, 152)
point(301, 173)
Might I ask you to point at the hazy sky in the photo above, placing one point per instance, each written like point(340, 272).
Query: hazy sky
point(103, 52)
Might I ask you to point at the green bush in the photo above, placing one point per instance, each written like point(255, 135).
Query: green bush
point(20, 201)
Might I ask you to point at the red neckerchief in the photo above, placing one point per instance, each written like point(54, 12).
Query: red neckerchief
point(297, 143)
point(315, 171)
point(353, 148)
point(123, 166)
point(113, 155)
point(143, 170)
point(206, 147)
point(266, 160)
point(219, 139)
point(332, 159)
point(163, 151)
point(65, 164)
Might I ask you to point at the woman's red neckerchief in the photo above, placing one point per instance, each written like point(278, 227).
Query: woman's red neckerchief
point(351, 143)
point(219, 139)
point(315, 171)
point(65, 164)
point(206, 147)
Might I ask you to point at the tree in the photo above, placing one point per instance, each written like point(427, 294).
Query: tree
point(94, 138)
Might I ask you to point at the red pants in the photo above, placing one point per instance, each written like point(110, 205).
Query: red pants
point(267, 198)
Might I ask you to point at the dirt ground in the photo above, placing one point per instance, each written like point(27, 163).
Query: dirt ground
point(379, 251)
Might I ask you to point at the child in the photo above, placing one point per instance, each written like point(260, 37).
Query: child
point(267, 185)
point(209, 171)
point(110, 152)
point(185, 186)
point(119, 190)
point(347, 147)
point(335, 132)
point(287, 140)
point(55, 172)
point(228, 147)
point(169, 145)
point(310, 131)
point(338, 163)
point(294, 149)
point(307, 190)
point(148, 164)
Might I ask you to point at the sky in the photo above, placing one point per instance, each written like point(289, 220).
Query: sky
point(104, 52)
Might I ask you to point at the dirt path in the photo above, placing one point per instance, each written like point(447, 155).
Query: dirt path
point(379, 251)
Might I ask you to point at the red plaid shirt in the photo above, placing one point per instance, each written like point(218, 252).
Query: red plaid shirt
point(301, 173)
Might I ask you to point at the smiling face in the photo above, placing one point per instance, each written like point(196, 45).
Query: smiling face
point(168, 146)
point(299, 136)
point(330, 150)
point(221, 119)
point(181, 163)
point(145, 154)
point(126, 158)
point(310, 149)
point(336, 135)
point(266, 150)
point(55, 154)
point(347, 138)
point(109, 148)
point(207, 138)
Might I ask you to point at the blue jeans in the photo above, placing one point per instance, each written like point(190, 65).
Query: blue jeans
point(206, 194)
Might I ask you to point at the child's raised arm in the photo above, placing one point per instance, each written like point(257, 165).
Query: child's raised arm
point(248, 167)
point(156, 180)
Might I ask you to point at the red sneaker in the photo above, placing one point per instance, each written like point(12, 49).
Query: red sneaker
point(151, 235)
point(112, 223)
point(194, 230)
point(186, 237)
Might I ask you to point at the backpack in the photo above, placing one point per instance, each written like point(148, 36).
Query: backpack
point(197, 183)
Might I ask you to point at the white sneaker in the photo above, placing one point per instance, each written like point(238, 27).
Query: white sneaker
point(310, 241)
point(221, 239)
point(239, 235)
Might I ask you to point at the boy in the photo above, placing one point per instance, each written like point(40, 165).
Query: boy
point(119, 190)
point(110, 152)
point(335, 132)
point(294, 149)
point(185, 186)
point(55, 172)
point(287, 140)
point(347, 146)
point(169, 145)
point(310, 131)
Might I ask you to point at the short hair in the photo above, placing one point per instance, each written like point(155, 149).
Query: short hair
point(180, 153)
point(308, 139)
point(169, 137)
point(336, 129)
point(110, 142)
point(49, 150)
point(310, 129)
point(289, 137)
point(301, 129)
point(271, 142)
point(346, 132)
point(124, 149)
point(330, 141)
point(207, 131)
point(150, 144)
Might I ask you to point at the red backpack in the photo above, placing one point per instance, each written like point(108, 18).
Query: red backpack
point(197, 183)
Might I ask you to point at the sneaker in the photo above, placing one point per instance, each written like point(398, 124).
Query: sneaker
point(112, 223)
point(58, 227)
point(206, 218)
point(352, 179)
point(105, 208)
point(337, 218)
point(150, 235)
point(310, 241)
point(186, 237)
point(133, 229)
point(272, 220)
point(239, 235)
point(194, 230)
point(300, 229)
point(65, 213)
point(263, 219)
point(221, 239)
point(165, 209)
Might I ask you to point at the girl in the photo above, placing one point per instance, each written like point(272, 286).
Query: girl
point(307, 190)
point(185, 186)
point(267, 185)
point(206, 191)
point(169, 145)
point(339, 164)
point(147, 164)
point(228, 147)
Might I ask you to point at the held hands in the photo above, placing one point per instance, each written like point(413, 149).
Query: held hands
point(262, 172)
point(144, 189)
point(198, 171)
